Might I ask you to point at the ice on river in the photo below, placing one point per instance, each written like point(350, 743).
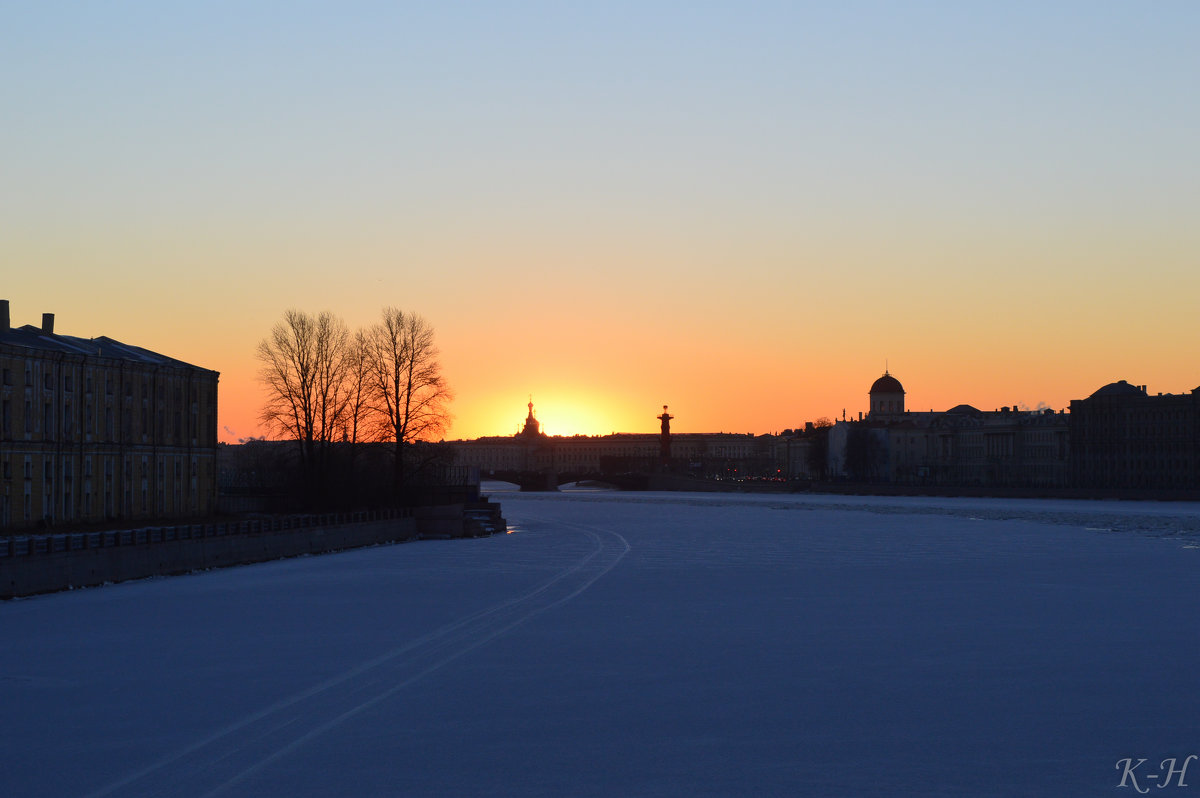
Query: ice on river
point(634, 645)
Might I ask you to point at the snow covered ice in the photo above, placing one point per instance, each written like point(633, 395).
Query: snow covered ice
point(637, 645)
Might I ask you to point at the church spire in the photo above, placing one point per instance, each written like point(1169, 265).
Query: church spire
point(532, 427)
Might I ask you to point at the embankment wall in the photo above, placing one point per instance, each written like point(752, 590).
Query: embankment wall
point(46, 563)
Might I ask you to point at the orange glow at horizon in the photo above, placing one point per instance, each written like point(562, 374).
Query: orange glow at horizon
point(696, 237)
point(760, 390)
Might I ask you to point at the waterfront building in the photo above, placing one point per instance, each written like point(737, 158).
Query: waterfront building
point(1122, 437)
point(1119, 439)
point(701, 454)
point(92, 429)
point(887, 398)
point(962, 446)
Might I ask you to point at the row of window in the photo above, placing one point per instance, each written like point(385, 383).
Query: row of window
point(67, 461)
point(59, 499)
point(48, 428)
point(68, 383)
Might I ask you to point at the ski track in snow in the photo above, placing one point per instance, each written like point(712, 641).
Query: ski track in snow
point(223, 760)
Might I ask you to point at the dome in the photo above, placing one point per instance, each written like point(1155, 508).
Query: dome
point(1121, 388)
point(886, 384)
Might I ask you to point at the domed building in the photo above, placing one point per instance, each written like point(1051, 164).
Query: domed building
point(963, 446)
point(533, 428)
point(1119, 389)
point(887, 397)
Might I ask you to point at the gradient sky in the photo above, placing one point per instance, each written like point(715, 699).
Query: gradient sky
point(742, 210)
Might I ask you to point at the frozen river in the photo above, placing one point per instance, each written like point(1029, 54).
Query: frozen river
point(636, 645)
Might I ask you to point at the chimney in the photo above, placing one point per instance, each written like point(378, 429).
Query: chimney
point(48, 324)
point(4, 325)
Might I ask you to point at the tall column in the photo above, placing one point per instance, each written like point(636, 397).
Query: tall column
point(664, 441)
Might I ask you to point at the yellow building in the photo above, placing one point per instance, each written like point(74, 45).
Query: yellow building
point(92, 429)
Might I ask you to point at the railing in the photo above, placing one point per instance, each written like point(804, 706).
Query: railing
point(32, 545)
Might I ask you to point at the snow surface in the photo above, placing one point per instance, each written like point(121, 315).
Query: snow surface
point(632, 645)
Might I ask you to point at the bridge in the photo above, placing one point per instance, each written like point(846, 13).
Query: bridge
point(549, 480)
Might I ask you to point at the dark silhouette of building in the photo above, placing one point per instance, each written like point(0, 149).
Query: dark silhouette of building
point(1121, 437)
point(532, 429)
point(718, 454)
point(962, 446)
point(887, 397)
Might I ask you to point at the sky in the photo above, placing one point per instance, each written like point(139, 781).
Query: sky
point(746, 211)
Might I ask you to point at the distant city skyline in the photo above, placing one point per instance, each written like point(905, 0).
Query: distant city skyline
point(745, 211)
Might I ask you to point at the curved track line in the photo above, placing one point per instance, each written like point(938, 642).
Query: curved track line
point(237, 751)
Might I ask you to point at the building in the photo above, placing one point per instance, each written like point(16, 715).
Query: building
point(1122, 437)
point(92, 429)
point(701, 454)
point(887, 398)
point(962, 446)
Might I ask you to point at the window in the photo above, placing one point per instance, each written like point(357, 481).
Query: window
point(8, 376)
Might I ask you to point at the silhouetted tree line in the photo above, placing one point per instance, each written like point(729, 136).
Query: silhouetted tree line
point(362, 407)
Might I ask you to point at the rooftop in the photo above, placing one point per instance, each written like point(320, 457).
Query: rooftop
point(44, 339)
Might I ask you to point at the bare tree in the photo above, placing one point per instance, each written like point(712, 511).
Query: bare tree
point(357, 390)
point(408, 393)
point(303, 367)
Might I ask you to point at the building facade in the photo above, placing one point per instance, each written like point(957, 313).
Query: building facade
point(1119, 439)
point(1122, 437)
point(962, 446)
point(93, 430)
